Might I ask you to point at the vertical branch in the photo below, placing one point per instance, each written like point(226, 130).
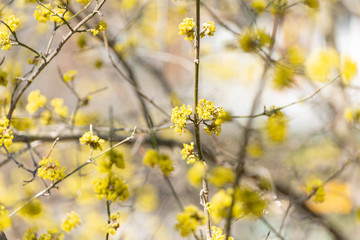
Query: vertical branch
point(204, 194)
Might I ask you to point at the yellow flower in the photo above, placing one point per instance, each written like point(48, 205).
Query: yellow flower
point(59, 12)
point(6, 134)
point(208, 29)
point(220, 175)
point(282, 76)
point(187, 28)
point(188, 153)
point(312, 4)
point(318, 186)
point(321, 64)
point(3, 78)
point(277, 126)
point(35, 101)
point(5, 43)
point(51, 169)
point(217, 115)
point(295, 55)
point(31, 234)
point(5, 220)
point(101, 26)
point(52, 234)
point(72, 221)
point(114, 224)
point(12, 22)
point(252, 202)
point(189, 220)
point(59, 108)
point(92, 140)
point(258, 5)
point(348, 69)
point(42, 14)
point(153, 158)
point(113, 157)
point(179, 117)
point(253, 39)
point(111, 187)
point(217, 234)
point(196, 173)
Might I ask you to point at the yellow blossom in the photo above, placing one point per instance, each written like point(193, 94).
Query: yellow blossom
point(253, 39)
point(6, 134)
point(321, 64)
point(58, 13)
point(220, 175)
point(42, 14)
point(112, 188)
point(189, 220)
point(12, 22)
point(188, 153)
point(196, 173)
point(114, 224)
point(277, 126)
point(312, 4)
point(295, 55)
point(5, 220)
point(51, 169)
point(318, 186)
point(52, 234)
point(153, 158)
point(217, 115)
point(112, 158)
point(31, 234)
point(258, 5)
point(35, 101)
point(101, 26)
point(282, 76)
point(187, 28)
point(72, 221)
point(92, 140)
point(3, 78)
point(179, 117)
point(5, 42)
point(217, 234)
point(348, 69)
point(59, 108)
point(208, 29)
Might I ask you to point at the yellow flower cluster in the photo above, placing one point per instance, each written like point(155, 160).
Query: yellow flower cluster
point(12, 22)
point(72, 221)
point(252, 202)
point(217, 234)
point(5, 42)
point(208, 29)
point(179, 117)
point(196, 173)
point(282, 76)
point(188, 153)
point(112, 158)
point(258, 5)
point(101, 26)
point(312, 3)
point(189, 220)
point(217, 115)
point(35, 101)
point(220, 175)
point(153, 158)
point(318, 186)
point(44, 14)
point(114, 224)
point(321, 64)
point(52, 234)
point(6, 134)
point(352, 114)
point(187, 28)
point(70, 75)
point(92, 140)
point(348, 69)
point(59, 108)
point(5, 220)
point(253, 39)
point(277, 126)
point(51, 169)
point(112, 188)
